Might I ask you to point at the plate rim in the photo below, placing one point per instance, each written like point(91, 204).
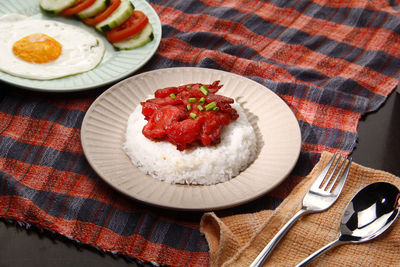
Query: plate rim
point(13, 80)
point(297, 135)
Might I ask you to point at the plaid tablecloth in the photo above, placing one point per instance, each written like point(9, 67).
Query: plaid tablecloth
point(331, 61)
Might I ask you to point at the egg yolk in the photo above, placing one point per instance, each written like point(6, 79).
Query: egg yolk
point(37, 48)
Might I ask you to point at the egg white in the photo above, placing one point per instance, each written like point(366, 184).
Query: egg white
point(81, 51)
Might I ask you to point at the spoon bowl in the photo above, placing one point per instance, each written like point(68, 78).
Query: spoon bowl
point(371, 212)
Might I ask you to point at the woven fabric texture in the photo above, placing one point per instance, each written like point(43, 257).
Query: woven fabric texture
point(330, 61)
point(237, 240)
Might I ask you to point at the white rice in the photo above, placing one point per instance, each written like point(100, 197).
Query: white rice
point(200, 165)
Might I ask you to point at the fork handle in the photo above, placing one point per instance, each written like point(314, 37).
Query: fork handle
point(274, 241)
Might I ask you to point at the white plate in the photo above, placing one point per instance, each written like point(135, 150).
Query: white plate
point(115, 65)
point(278, 133)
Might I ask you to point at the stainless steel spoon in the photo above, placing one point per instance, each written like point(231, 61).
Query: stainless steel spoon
point(372, 210)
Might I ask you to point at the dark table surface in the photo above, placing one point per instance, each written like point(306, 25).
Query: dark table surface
point(378, 147)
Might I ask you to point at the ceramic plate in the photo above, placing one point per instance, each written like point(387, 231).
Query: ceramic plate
point(278, 140)
point(115, 65)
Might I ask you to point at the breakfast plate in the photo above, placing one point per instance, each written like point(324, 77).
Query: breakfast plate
point(277, 130)
point(114, 66)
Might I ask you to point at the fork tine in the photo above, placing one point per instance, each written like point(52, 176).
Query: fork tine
point(343, 178)
point(337, 174)
point(327, 181)
point(323, 173)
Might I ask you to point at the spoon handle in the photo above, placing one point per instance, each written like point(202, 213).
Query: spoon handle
point(274, 241)
point(320, 251)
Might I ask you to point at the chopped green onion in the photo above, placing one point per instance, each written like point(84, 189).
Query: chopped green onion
point(200, 107)
point(216, 108)
point(188, 87)
point(189, 107)
point(192, 99)
point(202, 100)
point(172, 96)
point(204, 89)
point(193, 115)
point(211, 106)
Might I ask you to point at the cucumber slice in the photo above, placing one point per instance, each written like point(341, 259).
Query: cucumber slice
point(137, 40)
point(94, 9)
point(55, 6)
point(118, 17)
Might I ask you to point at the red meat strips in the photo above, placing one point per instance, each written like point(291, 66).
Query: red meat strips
point(188, 115)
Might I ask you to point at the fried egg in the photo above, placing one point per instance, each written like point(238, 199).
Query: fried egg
point(46, 49)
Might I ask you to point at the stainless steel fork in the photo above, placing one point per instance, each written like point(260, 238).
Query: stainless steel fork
point(321, 195)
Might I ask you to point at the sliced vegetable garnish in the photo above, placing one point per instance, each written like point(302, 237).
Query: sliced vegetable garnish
point(103, 15)
point(193, 115)
point(172, 96)
point(134, 24)
point(137, 40)
point(55, 7)
point(202, 100)
point(189, 107)
point(199, 107)
point(204, 89)
point(79, 6)
point(192, 99)
point(93, 10)
point(119, 16)
point(211, 106)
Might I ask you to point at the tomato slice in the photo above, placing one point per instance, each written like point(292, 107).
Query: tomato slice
point(114, 4)
point(79, 6)
point(134, 24)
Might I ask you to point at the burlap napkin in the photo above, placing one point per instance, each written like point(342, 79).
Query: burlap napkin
point(237, 240)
